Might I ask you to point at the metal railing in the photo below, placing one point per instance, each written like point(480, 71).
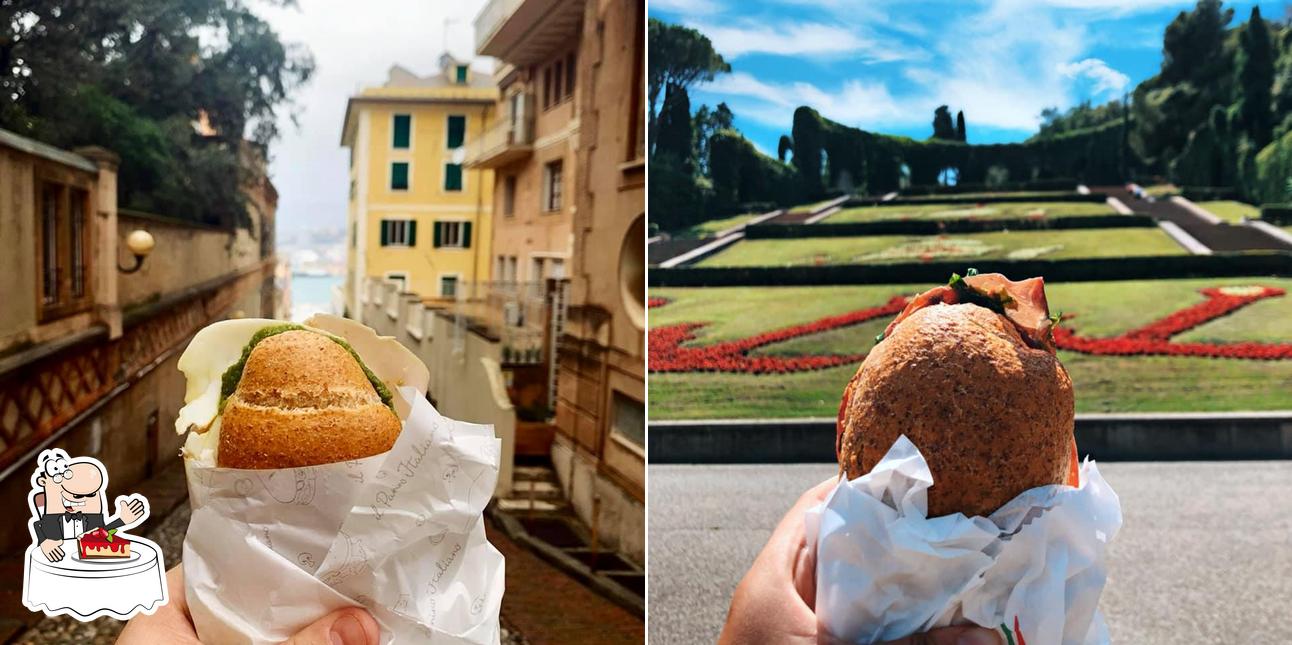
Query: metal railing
point(515, 128)
point(517, 312)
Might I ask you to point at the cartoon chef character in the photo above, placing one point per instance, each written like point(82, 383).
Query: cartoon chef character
point(67, 501)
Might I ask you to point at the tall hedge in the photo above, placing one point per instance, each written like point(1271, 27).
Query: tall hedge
point(1274, 171)
point(741, 174)
point(873, 162)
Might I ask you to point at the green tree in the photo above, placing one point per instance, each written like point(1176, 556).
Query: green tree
point(960, 126)
point(679, 56)
point(943, 128)
point(1255, 62)
point(133, 76)
point(675, 129)
point(706, 123)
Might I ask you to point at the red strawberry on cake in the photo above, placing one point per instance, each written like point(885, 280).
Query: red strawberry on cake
point(100, 543)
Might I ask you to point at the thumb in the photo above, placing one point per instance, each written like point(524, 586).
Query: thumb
point(963, 635)
point(349, 626)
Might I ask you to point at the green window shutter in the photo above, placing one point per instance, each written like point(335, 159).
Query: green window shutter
point(436, 241)
point(399, 175)
point(466, 235)
point(385, 233)
point(452, 177)
point(412, 232)
point(462, 74)
point(403, 127)
point(457, 131)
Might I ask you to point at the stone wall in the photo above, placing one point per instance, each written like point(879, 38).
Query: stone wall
point(187, 255)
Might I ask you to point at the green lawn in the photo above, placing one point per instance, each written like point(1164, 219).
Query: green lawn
point(713, 226)
point(989, 195)
point(887, 249)
point(811, 207)
point(1231, 211)
point(989, 210)
point(1103, 384)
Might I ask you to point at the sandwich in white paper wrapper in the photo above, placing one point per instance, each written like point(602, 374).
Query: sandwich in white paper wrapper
point(1033, 569)
point(399, 532)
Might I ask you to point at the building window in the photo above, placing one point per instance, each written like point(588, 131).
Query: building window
point(461, 74)
point(513, 266)
point(457, 131)
point(556, 268)
point(398, 232)
point(402, 131)
point(552, 186)
point(399, 175)
point(629, 421)
point(547, 87)
point(536, 269)
point(63, 243)
point(509, 196)
point(448, 286)
point(556, 82)
point(454, 235)
point(398, 279)
point(453, 177)
point(569, 75)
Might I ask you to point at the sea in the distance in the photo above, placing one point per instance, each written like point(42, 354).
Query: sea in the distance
point(312, 294)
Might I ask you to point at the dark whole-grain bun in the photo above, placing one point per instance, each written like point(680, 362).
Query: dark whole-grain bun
point(992, 415)
point(303, 400)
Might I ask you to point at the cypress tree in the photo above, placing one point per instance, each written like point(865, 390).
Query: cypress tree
point(942, 126)
point(676, 135)
point(1255, 80)
point(960, 126)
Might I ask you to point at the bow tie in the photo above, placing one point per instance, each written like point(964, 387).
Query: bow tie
point(73, 513)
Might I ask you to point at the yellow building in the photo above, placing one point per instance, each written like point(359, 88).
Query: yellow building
point(417, 217)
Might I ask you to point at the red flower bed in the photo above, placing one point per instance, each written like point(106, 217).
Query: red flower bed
point(652, 303)
point(668, 353)
point(1154, 338)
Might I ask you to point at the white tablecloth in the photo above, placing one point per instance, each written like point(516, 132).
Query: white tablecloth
point(98, 588)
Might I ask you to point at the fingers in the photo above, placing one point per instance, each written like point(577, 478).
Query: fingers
point(349, 626)
point(962, 635)
point(171, 622)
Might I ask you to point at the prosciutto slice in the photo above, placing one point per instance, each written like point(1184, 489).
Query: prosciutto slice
point(1022, 302)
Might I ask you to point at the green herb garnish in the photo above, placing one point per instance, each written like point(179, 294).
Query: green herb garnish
point(879, 337)
point(111, 533)
point(994, 302)
point(229, 381)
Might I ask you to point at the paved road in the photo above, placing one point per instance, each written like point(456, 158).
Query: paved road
point(1204, 556)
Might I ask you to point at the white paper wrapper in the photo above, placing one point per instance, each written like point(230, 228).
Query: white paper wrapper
point(886, 571)
point(271, 551)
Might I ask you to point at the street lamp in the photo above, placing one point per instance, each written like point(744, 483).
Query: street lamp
point(140, 243)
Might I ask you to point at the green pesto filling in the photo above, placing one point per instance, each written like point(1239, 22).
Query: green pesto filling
point(229, 382)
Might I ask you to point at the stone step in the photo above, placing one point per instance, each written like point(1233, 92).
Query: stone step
point(514, 505)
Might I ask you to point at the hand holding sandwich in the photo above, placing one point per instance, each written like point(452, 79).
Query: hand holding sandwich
point(172, 624)
point(774, 602)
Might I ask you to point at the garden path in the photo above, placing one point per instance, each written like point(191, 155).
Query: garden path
point(1220, 237)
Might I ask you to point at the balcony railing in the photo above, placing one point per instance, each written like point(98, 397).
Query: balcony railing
point(508, 140)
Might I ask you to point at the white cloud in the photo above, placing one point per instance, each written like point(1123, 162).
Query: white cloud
point(774, 103)
point(1105, 78)
point(809, 40)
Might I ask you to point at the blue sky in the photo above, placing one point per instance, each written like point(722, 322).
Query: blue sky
point(884, 65)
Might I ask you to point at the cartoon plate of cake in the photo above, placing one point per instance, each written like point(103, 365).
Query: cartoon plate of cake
point(101, 544)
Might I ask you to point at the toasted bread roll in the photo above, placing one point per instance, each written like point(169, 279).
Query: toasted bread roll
point(992, 415)
point(303, 400)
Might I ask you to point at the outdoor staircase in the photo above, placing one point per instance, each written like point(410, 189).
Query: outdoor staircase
point(538, 516)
